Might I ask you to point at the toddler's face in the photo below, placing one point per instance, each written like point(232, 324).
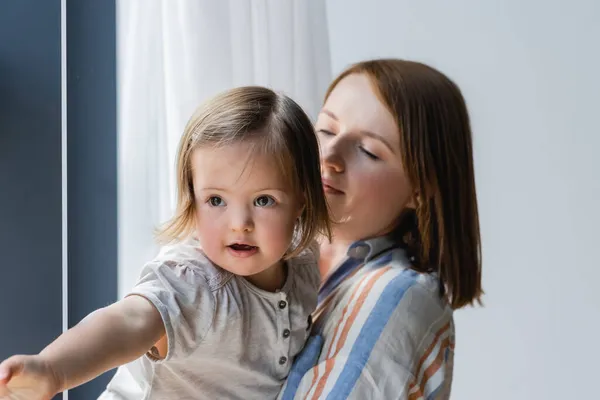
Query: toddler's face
point(246, 209)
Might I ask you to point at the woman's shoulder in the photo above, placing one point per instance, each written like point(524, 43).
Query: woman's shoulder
point(391, 283)
point(394, 306)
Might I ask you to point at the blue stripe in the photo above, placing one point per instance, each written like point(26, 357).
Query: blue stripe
point(338, 276)
point(381, 261)
point(434, 394)
point(370, 333)
point(303, 363)
point(347, 267)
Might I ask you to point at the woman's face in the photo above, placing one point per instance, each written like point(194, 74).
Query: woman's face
point(363, 177)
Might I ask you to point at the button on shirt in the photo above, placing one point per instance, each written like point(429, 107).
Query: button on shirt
point(227, 339)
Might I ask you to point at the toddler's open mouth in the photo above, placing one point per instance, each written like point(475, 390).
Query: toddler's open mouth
point(242, 249)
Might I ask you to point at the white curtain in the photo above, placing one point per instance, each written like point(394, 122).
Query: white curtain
point(172, 55)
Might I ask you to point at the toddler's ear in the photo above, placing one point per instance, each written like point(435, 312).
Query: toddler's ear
point(196, 223)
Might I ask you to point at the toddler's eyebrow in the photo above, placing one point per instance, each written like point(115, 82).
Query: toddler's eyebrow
point(273, 189)
point(267, 189)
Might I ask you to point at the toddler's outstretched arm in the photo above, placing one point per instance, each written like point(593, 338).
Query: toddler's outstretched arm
point(105, 339)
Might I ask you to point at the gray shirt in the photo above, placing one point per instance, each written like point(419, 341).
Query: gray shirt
point(227, 338)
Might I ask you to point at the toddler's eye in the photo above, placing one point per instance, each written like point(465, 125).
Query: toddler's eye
point(216, 201)
point(264, 201)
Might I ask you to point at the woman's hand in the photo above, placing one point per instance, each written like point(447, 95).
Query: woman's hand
point(28, 378)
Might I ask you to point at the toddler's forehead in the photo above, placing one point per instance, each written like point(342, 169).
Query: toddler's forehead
point(237, 168)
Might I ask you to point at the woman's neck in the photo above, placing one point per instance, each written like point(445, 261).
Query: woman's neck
point(332, 254)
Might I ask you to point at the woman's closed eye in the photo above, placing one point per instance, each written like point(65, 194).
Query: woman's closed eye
point(216, 201)
point(325, 132)
point(264, 201)
point(368, 153)
point(362, 149)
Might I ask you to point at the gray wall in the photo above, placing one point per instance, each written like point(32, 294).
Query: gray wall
point(30, 171)
point(92, 164)
point(30, 175)
point(529, 72)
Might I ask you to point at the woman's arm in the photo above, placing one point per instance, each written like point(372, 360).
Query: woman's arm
point(105, 339)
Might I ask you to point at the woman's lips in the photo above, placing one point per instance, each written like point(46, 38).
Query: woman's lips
point(329, 187)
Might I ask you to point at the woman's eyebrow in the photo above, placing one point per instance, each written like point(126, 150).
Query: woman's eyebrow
point(329, 114)
point(377, 137)
point(366, 133)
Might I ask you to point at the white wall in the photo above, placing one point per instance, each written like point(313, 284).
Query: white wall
point(527, 72)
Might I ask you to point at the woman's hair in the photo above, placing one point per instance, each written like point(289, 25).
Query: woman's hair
point(269, 123)
point(442, 233)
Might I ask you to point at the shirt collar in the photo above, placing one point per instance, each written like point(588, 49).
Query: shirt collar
point(368, 249)
point(359, 253)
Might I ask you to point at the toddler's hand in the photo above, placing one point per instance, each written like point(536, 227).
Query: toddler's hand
point(27, 378)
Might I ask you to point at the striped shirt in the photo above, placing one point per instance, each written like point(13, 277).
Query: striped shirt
point(381, 331)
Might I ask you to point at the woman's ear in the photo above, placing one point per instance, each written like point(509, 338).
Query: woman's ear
point(414, 201)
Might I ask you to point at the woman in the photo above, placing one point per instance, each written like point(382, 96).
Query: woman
point(397, 168)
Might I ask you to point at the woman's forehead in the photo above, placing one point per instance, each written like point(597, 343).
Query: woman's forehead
point(354, 104)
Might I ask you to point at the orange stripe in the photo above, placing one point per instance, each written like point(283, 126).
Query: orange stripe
point(336, 329)
point(333, 293)
point(359, 303)
point(421, 388)
point(321, 386)
point(315, 372)
point(323, 305)
point(357, 308)
point(430, 348)
point(417, 393)
point(344, 311)
point(436, 364)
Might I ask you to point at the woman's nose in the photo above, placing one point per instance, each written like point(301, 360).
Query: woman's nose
point(331, 156)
